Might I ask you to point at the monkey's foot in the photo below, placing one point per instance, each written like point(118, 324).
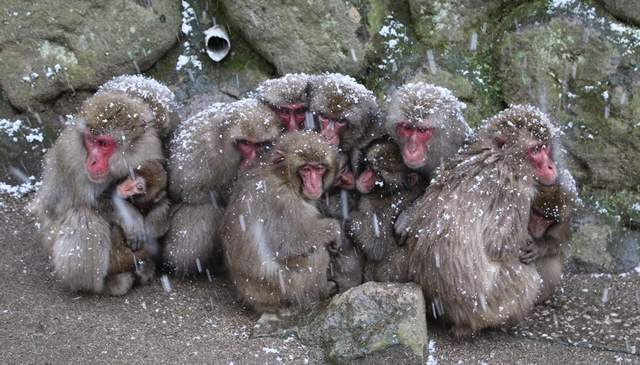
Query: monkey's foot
point(118, 284)
point(461, 332)
point(145, 271)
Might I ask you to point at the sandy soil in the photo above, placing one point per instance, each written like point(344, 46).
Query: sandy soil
point(594, 319)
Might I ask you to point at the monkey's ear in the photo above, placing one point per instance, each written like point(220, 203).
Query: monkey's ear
point(278, 157)
point(412, 179)
point(499, 142)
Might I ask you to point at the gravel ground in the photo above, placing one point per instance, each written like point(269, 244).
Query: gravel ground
point(594, 319)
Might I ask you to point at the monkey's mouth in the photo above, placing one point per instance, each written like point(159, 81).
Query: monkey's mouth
point(414, 163)
point(97, 176)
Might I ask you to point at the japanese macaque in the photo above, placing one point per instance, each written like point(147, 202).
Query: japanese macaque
point(210, 150)
point(348, 116)
point(550, 228)
point(346, 266)
point(111, 134)
point(427, 123)
point(288, 96)
point(146, 189)
point(388, 186)
point(157, 96)
point(276, 243)
point(468, 228)
point(346, 112)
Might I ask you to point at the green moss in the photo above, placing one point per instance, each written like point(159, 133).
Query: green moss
point(621, 206)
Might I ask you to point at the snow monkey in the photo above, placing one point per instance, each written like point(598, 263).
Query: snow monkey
point(276, 243)
point(550, 228)
point(206, 156)
point(288, 96)
point(146, 189)
point(468, 228)
point(348, 117)
point(346, 266)
point(427, 123)
point(388, 186)
point(112, 133)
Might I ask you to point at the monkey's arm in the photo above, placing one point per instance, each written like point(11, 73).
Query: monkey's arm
point(121, 212)
point(367, 234)
point(156, 222)
point(402, 226)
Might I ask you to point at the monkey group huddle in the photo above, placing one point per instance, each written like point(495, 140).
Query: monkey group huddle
point(304, 189)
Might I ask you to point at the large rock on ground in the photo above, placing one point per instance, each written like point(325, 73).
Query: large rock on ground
point(50, 47)
point(365, 319)
point(303, 36)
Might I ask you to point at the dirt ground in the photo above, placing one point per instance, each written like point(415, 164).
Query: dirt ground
point(593, 319)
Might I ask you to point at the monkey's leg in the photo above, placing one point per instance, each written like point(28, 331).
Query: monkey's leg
point(81, 247)
point(192, 238)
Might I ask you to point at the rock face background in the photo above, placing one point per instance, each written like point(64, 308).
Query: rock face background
point(576, 60)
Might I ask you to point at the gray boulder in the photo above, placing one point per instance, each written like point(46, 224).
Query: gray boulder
point(627, 10)
point(368, 318)
point(303, 36)
point(52, 47)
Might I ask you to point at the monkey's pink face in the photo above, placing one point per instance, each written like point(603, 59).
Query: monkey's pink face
point(251, 150)
point(311, 174)
point(292, 115)
point(330, 129)
point(538, 225)
point(367, 180)
point(346, 180)
point(414, 139)
point(99, 149)
point(131, 187)
point(539, 154)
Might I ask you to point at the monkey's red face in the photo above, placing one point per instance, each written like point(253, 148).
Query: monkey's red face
point(99, 149)
point(346, 180)
point(538, 224)
point(545, 169)
point(330, 129)
point(414, 139)
point(311, 175)
point(251, 151)
point(367, 180)
point(293, 116)
point(131, 187)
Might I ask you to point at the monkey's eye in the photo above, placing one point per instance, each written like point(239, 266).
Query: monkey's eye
point(320, 169)
point(425, 130)
point(301, 111)
point(243, 142)
point(283, 111)
point(535, 149)
point(408, 127)
point(140, 188)
point(103, 144)
point(341, 122)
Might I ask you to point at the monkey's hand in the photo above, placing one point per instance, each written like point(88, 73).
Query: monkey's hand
point(531, 253)
point(132, 222)
point(402, 228)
